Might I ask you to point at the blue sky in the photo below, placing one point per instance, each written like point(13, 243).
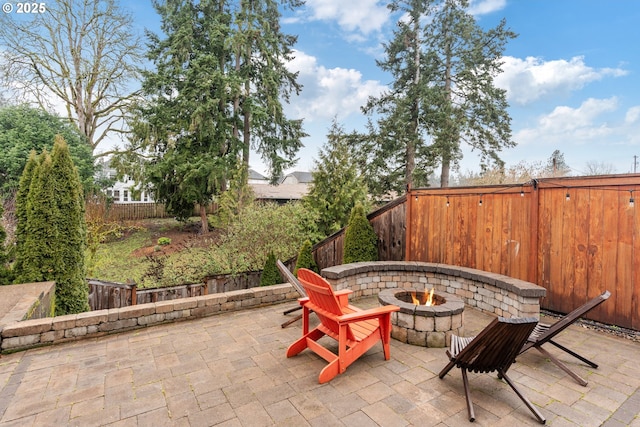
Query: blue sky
point(571, 75)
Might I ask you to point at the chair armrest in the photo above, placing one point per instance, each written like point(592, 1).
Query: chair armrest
point(303, 301)
point(343, 296)
point(372, 313)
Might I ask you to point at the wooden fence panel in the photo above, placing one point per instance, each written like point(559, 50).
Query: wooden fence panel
point(575, 246)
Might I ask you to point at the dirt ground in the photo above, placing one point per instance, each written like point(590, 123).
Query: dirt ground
point(182, 236)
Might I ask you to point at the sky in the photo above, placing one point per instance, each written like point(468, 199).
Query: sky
point(571, 75)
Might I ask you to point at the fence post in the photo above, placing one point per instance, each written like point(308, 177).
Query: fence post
point(407, 235)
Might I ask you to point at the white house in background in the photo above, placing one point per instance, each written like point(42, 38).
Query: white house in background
point(124, 190)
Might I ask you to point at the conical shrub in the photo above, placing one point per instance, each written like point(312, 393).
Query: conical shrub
point(360, 240)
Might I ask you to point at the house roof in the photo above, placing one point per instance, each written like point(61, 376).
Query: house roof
point(299, 176)
point(280, 192)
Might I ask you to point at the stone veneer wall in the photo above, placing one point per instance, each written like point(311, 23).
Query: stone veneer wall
point(489, 292)
point(21, 335)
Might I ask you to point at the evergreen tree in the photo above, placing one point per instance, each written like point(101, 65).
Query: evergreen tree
point(556, 165)
point(260, 54)
point(443, 93)
point(53, 236)
point(337, 185)
point(38, 253)
point(216, 91)
point(22, 196)
point(5, 271)
point(270, 275)
point(305, 258)
point(360, 240)
point(72, 291)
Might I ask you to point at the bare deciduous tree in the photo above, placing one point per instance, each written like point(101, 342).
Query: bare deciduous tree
point(82, 54)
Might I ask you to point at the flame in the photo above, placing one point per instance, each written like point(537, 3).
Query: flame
point(428, 302)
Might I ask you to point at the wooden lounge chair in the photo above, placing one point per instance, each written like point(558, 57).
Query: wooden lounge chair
point(543, 334)
point(289, 277)
point(494, 349)
point(355, 330)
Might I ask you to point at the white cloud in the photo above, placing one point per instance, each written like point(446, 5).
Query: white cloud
point(575, 126)
point(364, 16)
point(482, 7)
point(633, 115)
point(533, 78)
point(329, 92)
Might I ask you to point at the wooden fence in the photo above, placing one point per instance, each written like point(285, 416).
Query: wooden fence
point(138, 211)
point(575, 237)
point(388, 223)
point(104, 295)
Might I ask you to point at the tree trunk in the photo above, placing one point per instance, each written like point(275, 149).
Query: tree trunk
point(444, 175)
point(204, 221)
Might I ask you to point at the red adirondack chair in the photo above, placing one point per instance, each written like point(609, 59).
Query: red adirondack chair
point(355, 330)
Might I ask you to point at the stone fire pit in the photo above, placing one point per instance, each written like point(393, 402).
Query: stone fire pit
point(427, 326)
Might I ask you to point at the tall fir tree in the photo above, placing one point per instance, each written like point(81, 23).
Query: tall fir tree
point(216, 91)
point(337, 183)
point(261, 52)
point(443, 93)
point(72, 291)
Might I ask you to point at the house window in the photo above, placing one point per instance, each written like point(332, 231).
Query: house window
point(116, 195)
point(145, 197)
point(109, 193)
point(125, 195)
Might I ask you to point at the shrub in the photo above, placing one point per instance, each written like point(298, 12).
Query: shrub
point(270, 275)
point(360, 240)
point(272, 228)
point(305, 258)
point(163, 241)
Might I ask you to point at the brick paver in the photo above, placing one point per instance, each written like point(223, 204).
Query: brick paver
point(231, 370)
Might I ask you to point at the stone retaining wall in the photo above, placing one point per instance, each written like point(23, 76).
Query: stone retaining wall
point(489, 292)
point(21, 335)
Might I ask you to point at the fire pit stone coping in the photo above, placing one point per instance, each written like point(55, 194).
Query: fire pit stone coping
point(489, 292)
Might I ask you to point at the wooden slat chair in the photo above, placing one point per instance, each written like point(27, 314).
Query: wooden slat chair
point(494, 349)
point(355, 330)
point(543, 334)
point(289, 277)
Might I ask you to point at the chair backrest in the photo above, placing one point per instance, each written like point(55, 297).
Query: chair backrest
point(497, 345)
point(289, 277)
point(567, 320)
point(322, 298)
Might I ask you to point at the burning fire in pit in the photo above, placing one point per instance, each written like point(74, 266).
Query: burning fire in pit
point(427, 298)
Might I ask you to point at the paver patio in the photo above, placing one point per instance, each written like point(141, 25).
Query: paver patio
point(231, 370)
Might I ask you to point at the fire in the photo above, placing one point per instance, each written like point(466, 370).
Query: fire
point(428, 302)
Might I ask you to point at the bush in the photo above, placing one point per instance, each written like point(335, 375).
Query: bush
point(163, 241)
point(305, 258)
point(360, 240)
point(270, 275)
point(272, 228)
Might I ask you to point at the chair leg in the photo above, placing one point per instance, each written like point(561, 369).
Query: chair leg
point(467, 394)
point(446, 369)
point(532, 408)
point(290, 321)
point(562, 366)
point(574, 354)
